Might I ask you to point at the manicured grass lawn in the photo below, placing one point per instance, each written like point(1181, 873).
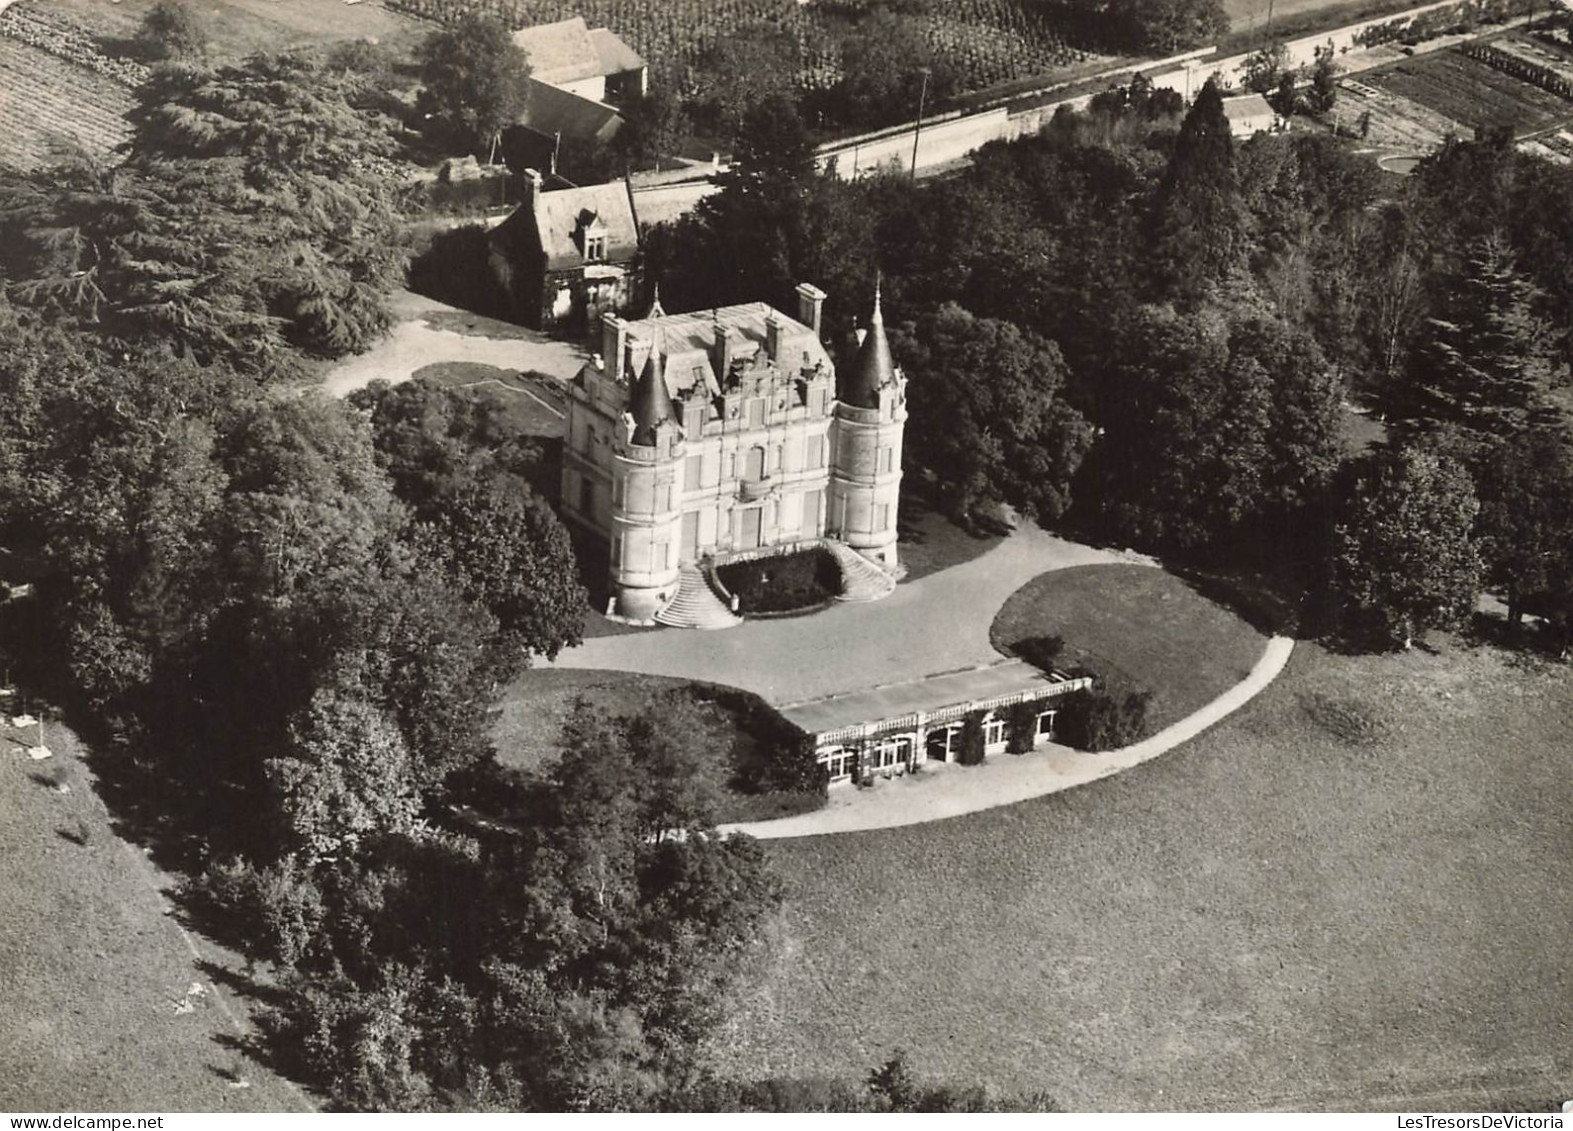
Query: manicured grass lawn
point(92, 969)
point(930, 542)
point(530, 405)
point(1355, 894)
point(528, 730)
point(1140, 623)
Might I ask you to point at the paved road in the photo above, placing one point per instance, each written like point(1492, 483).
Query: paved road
point(415, 343)
point(936, 624)
point(942, 791)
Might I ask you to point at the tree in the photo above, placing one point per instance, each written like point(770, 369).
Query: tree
point(476, 79)
point(741, 69)
point(249, 217)
point(1264, 68)
point(171, 31)
point(346, 777)
point(1485, 361)
point(1164, 27)
point(988, 413)
point(1198, 235)
point(887, 65)
point(1525, 483)
point(1403, 559)
point(507, 551)
point(1324, 82)
point(775, 143)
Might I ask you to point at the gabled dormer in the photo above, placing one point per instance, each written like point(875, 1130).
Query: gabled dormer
point(590, 236)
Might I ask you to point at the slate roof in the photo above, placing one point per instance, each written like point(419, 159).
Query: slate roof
point(552, 110)
point(559, 216)
point(873, 368)
point(688, 339)
point(567, 51)
point(616, 56)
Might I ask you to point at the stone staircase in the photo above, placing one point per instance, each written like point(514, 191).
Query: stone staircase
point(696, 605)
point(861, 579)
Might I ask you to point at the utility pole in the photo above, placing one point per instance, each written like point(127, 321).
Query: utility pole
point(917, 130)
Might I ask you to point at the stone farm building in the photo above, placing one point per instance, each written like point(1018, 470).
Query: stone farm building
point(1010, 706)
point(694, 439)
point(566, 256)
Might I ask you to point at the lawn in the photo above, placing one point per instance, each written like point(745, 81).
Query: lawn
point(1139, 623)
point(534, 709)
point(96, 1009)
point(528, 404)
point(1354, 894)
point(929, 542)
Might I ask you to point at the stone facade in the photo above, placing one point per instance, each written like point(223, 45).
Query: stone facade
point(692, 437)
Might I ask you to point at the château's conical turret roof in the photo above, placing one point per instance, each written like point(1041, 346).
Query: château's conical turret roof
point(873, 368)
point(651, 404)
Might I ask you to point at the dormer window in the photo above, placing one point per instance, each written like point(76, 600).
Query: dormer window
point(591, 237)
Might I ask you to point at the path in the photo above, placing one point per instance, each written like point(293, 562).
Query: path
point(936, 624)
point(945, 790)
point(422, 337)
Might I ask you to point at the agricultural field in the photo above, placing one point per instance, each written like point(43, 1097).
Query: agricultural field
point(1385, 120)
point(49, 106)
point(237, 28)
point(1471, 93)
point(987, 41)
point(1352, 895)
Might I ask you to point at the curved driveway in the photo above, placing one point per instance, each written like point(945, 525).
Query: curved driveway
point(940, 791)
point(936, 624)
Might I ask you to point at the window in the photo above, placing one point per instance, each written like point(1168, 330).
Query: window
point(660, 555)
point(842, 761)
point(691, 472)
point(756, 412)
point(594, 248)
point(1046, 724)
point(882, 516)
point(617, 551)
point(888, 459)
point(586, 496)
point(993, 730)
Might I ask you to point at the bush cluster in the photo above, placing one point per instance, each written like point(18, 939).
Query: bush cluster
point(784, 583)
point(1104, 718)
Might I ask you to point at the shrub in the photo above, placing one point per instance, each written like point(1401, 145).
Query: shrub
point(1023, 719)
point(1104, 718)
point(782, 583)
point(1042, 652)
point(971, 753)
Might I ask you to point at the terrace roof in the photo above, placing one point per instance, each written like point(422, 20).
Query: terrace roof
point(933, 693)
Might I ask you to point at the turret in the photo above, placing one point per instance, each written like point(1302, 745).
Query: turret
point(646, 501)
point(870, 417)
point(873, 369)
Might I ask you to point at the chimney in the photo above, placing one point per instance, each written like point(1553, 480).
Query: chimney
point(530, 186)
point(774, 333)
point(810, 306)
point(614, 342)
point(722, 355)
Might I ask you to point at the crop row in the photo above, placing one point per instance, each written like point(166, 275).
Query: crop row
point(1531, 72)
point(54, 105)
point(983, 41)
point(65, 41)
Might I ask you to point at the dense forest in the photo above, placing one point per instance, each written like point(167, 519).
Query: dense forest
point(1141, 330)
point(283, 621)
